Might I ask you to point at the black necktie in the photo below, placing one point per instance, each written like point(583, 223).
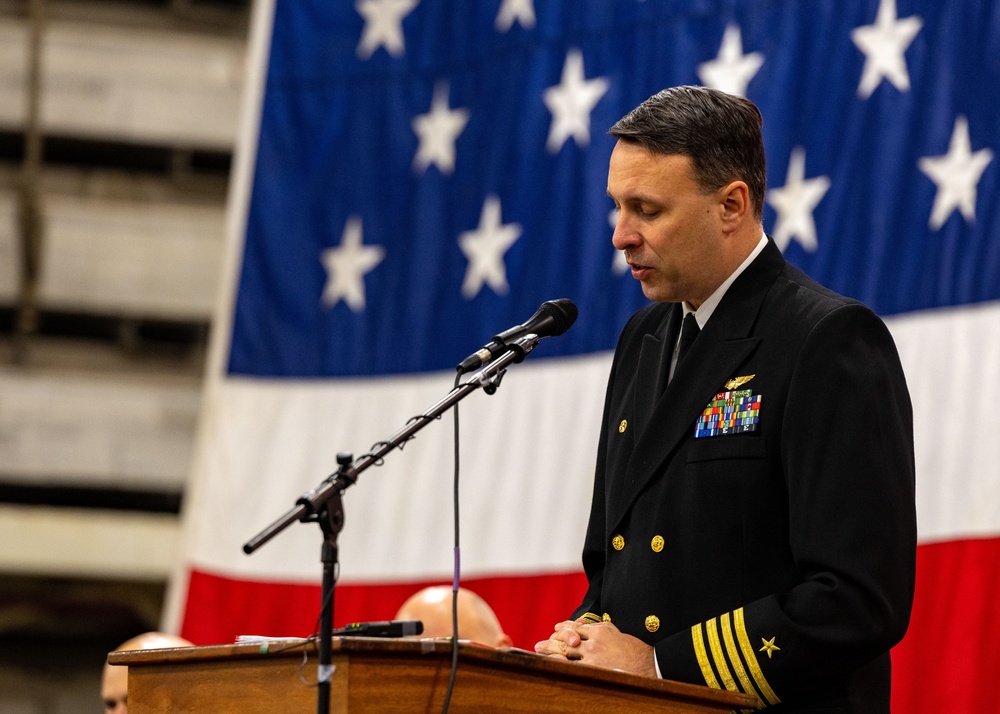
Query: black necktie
point(689, 330)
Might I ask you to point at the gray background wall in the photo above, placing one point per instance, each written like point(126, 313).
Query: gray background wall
point(102, 343)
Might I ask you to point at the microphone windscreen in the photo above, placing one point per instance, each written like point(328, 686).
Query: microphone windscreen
point(563, 313)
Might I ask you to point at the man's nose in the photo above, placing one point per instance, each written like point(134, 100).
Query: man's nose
point(625, 235)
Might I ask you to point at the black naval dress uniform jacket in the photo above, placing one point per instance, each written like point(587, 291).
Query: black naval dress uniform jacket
point(777, 558)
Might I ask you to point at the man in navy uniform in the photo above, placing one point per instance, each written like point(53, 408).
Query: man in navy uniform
point(753, 523)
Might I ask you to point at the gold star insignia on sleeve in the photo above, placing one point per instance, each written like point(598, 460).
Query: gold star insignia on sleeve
point(769, 646)
point(737, 382)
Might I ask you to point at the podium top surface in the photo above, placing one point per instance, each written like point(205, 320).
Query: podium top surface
point(512, 660)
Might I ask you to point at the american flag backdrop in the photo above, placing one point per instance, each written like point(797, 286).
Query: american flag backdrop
point(416, 175)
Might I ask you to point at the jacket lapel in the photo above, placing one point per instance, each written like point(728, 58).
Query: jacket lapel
point(726, 342)
point(654, 365)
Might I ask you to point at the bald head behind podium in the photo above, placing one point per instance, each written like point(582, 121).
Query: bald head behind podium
point(476, 620)
point(114, 682)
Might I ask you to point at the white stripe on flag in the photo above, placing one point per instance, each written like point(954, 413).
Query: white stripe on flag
point(950, 358)
point(527, 472)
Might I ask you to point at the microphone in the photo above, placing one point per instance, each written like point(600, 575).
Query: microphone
point(394, 628)
point(554, 317)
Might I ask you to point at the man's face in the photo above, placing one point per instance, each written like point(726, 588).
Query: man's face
point(667, 226)
point(114, 690)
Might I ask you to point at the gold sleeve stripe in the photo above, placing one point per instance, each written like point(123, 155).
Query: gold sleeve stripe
point(751, 657)
point(734, 658)
point(702, 656)
point(719, 657)
point(590, 617)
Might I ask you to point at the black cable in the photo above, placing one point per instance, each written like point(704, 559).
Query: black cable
point(457, 573)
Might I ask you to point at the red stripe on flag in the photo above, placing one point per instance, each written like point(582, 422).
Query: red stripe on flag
point(219, 609)
point(950, 657)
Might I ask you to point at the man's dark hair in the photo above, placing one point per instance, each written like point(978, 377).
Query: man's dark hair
point(720, 133)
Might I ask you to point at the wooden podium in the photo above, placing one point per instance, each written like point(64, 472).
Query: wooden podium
point(404, 675)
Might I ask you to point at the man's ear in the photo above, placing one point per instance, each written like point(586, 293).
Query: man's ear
point(734, 203)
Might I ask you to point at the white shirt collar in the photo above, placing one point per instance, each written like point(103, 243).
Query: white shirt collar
point(704, 312)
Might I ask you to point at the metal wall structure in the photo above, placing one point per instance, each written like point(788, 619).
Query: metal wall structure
point(117, 121)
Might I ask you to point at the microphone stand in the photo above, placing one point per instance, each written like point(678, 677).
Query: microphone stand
point(324, 504)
